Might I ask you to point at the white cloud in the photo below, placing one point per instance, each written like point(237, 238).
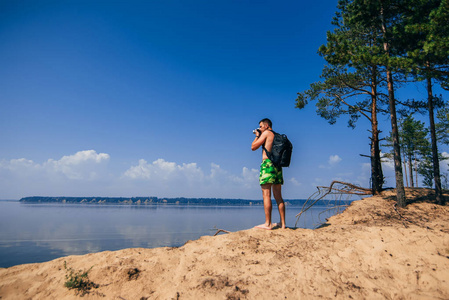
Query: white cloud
point(444, 164)
point(17, 165)
point(249, 175)
point(334, 160)
point(189, 180)
point(89, 173)
point(161, 170)
point(69, 175)
point(83, 156)
point(141, 171)
point(387, 162)
point(331, 162)
point(295, 182)
point(81, 165)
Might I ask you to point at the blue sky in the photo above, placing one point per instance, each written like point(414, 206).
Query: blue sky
point(159, 98)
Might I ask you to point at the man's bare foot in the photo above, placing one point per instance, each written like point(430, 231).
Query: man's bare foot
point(275, 225)
point(278, 225)
point(263, 226)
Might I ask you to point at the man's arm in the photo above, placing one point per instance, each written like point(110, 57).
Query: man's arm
point(259, 141)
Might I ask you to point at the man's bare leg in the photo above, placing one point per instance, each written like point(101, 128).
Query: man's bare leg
point(266, 193)
point(277, 192)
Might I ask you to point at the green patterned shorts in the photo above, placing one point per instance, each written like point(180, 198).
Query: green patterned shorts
point(269, 173)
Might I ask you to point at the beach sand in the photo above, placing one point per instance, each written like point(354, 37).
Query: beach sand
point(370, 251)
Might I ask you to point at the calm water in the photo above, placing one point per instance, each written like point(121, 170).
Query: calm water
point(32, 233)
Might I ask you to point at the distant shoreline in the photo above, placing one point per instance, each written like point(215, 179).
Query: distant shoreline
point(156, 200)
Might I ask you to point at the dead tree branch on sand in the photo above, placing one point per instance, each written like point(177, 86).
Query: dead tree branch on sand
point(337, 189)
point(220, 230)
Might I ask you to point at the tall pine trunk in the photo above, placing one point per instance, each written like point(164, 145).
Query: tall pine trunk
point(436, 162)
point(377, 177)
point(400, 192)
point(416, 171)
point(404, 162)
point(410, 171)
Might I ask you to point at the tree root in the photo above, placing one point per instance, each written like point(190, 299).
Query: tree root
point(337, 189)
point(400, 216)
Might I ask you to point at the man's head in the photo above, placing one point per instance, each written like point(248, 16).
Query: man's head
point(265, 124)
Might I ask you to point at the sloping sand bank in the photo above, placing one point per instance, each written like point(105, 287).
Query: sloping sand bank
point(370, 251)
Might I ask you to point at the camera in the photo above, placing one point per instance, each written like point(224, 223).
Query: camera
point(256, 130)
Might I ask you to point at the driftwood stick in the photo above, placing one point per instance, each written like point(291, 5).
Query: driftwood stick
point(352, 186)
point(221, 230)
point(343, 191)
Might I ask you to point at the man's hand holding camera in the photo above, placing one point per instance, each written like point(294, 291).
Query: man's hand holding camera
point(257, 132)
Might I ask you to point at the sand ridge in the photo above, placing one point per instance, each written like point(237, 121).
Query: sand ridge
point(370, 251)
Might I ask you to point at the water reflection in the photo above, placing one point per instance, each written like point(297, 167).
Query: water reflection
point(41, 232)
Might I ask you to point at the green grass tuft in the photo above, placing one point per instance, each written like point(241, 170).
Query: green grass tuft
point(78, 280)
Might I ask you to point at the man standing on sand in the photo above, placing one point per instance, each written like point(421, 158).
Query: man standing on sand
point(270, 177)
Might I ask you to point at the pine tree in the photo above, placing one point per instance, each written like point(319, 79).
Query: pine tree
point(363, 40)
point(414, 144)
point(427, 27)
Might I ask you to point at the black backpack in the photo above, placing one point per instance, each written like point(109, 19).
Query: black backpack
point(281, 152)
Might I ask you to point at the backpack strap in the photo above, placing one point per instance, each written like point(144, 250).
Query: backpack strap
point(263, 146)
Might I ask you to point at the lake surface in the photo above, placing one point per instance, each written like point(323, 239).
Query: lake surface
point(31, 233)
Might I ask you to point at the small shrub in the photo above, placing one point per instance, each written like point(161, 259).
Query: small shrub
point(78, 280)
